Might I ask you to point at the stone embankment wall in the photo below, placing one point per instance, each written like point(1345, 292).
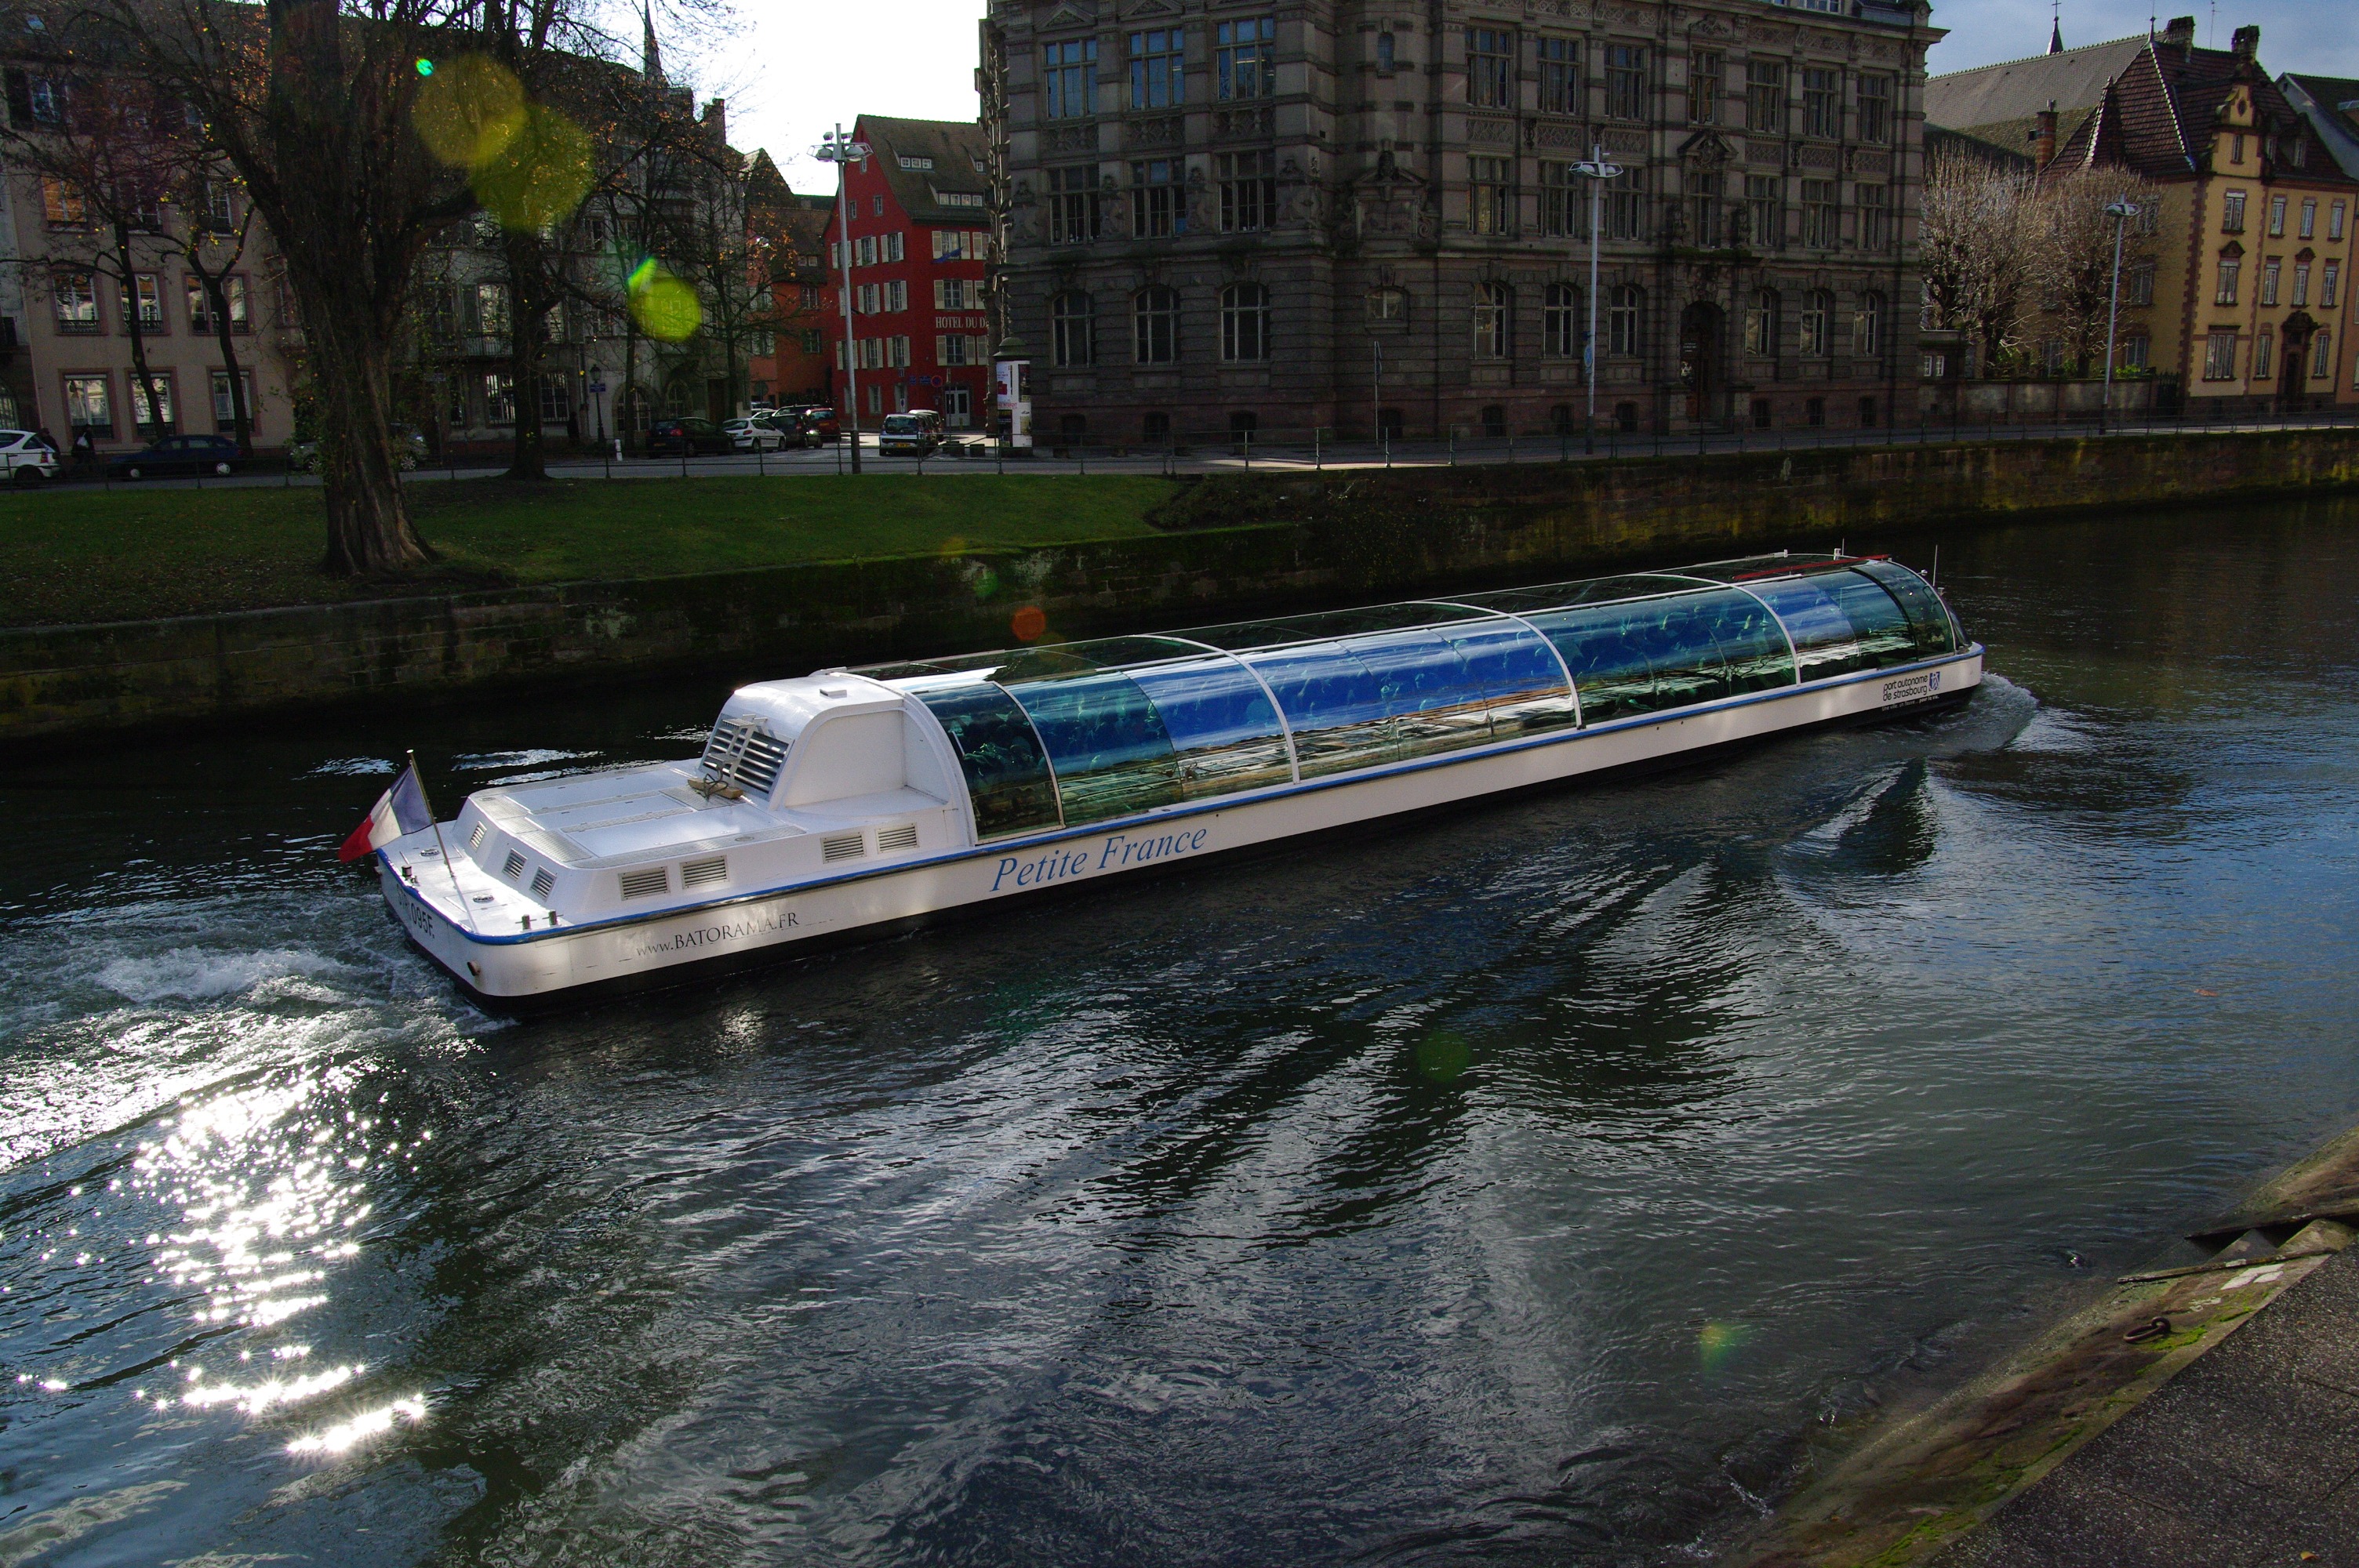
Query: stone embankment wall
point(1232, 547)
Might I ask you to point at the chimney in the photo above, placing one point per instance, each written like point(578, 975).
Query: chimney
point(2043, 136)
point(2246, 42)
point(2181, 34)
point(716, 120)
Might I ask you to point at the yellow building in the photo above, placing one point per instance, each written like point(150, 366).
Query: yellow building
point(2254, 242)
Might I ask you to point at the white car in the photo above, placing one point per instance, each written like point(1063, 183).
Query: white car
point(752, 436)
point(27, 458)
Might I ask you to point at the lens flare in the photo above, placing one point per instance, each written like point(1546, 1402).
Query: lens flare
point(665, 308)
point(1719, 1341)
point(1442, 1055)
point(468, 111)
point(528, 163)
point(538, 174)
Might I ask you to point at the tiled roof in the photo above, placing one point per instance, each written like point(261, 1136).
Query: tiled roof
point(948, 155)
point(2019, 89)
point(2332, 103)
point(2158, 116)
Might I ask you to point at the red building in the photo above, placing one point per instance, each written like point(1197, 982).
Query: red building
point(790, 239)
point(920, 231)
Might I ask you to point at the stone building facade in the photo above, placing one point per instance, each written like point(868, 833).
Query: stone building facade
point(1362, 215)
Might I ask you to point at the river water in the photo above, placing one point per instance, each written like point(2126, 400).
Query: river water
point(1537, 1183)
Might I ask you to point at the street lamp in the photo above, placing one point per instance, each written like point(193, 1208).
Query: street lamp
point(2121, 211)
point(839, 149)
point(1597, 171)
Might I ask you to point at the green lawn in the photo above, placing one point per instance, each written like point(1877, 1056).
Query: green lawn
point(79, 554)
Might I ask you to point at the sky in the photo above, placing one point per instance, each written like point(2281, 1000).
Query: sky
point(792, 68)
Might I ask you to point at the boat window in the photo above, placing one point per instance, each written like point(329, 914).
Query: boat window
point(1517, 674)
point(1327, 625)
point(1335, 703)
point(1106, 741)
point(1006, 774)
point(1929, 618)
point(1424, 687)
point(1563, 595)
point(1840, 621)
point(1224, 730)
point(1647, 656)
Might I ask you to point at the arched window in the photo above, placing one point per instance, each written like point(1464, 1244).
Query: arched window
point(1622, 319)
point(1156, 315)
point(1491, 320)
point(1761, 325)
point(1388, 305)
point(1245, 322)
point(1073, 325)
point(1560, 322)
point(1818, 307)
point(1867, 326)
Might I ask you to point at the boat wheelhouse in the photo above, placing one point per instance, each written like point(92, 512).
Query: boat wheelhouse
point(856, 798)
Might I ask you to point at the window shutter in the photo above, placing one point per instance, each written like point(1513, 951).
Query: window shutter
point(20, 98)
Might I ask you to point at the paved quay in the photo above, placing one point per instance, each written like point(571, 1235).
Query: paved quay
point(2199, 1412)
point(2248, 1458)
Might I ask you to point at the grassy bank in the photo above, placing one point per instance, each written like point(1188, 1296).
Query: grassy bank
point(73, 556)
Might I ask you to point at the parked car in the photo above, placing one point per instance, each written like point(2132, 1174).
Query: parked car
point(753, 434)
point(915, 434)
point(786, 424)
point(178, 454)
point(674, 438)
point(408, 446)
point(26, 458)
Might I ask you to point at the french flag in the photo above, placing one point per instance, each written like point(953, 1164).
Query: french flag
point(398, 811)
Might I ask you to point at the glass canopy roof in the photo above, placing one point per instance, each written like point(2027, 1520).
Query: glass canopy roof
point(1089, 732)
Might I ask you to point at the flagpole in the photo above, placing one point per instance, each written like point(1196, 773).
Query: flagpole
point(444, 850)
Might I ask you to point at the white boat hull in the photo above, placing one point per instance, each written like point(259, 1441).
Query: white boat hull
point(656, 947)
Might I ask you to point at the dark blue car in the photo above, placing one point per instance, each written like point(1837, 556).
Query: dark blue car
point(178, 454)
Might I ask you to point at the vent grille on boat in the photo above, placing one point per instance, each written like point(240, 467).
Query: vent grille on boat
point(542, 880)
point(841, 847)
point(698, 873)
point(742, 755)
point(646, 880)
point(476, 837)
point(514, 866)
point(904, 837)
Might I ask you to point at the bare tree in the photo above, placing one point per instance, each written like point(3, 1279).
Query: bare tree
point(1978, 236)
point(106, 156)
point(2073, 254)
point(213, 244)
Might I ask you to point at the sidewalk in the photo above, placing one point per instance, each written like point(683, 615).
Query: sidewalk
point(2249, 1457)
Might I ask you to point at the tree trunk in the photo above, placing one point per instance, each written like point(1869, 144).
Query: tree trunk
point(146, 377)
point(217, 297)
point(348, 295)
point(369, 530)
point(528, 302)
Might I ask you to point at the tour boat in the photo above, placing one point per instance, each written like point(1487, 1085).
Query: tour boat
point(853, 801)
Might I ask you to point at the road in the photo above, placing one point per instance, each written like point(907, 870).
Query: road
point(1301, 455)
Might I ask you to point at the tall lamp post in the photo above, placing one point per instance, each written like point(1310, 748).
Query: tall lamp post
point(1597, 171)
point(2121, 211)
point(839, 149)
